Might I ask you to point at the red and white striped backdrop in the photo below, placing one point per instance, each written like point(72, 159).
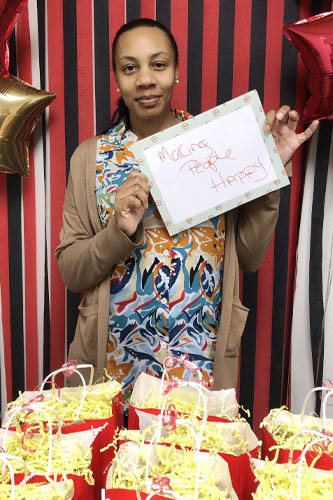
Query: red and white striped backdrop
point(226, 47)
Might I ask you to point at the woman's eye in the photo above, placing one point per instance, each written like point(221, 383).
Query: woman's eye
point(159, 65)
point(129, 69)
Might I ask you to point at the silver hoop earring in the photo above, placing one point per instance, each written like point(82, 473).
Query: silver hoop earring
point(118, 89)
point(176, 81)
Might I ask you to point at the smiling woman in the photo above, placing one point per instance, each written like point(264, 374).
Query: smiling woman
point(149, 295)
point(146, 69)
point(146, 78)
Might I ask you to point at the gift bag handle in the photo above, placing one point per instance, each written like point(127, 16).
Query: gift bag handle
point(197, 387)
point(69, 369)
point(5, 457)
point(290, 415)
point(197, 440)
point(150, 446)
point(312, 432)
point(316, 389)
point(327, 395)
point(38, 408)
point(322, 437)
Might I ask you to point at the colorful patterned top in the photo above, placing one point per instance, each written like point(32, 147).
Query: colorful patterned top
point(165, 297)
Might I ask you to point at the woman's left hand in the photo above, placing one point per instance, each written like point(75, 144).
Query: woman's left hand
point(282, 124)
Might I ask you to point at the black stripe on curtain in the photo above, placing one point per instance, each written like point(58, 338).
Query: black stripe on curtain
point(250, 280)
point(316, 255)
point(70, 80)
point(41, 40)
point(71, 128)
point(194, 56)
point(41, 61)
point(258, 47)
point(225, 50)
point(102, 63)
point(318, 7)
point(14, 188)
point(287, 96)
point(163, 12)
point(133, 9)
point(248, 344)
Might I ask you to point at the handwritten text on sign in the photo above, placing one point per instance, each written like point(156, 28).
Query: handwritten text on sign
point(211, 164)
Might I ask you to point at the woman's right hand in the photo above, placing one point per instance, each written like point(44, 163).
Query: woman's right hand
point(131, 202)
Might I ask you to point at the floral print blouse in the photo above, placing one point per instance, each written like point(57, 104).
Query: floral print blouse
point(165, 298)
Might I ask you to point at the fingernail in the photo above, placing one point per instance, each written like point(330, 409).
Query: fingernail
point(267, 128)
point(279, 115)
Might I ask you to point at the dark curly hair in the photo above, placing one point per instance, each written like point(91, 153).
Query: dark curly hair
point(121, 112)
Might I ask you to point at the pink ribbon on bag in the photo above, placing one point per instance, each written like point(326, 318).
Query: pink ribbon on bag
point(328, 387)
point(169, 418)
point(327, 441)
point(183, 360)
point(28, 434)
point(161, 484)
point(50, 382)
point(69, 367)
point(26, 406)
point(173, 384)
point(37, 399)
point(321, 447)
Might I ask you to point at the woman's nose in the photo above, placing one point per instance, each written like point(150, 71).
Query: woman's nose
point(145, 77)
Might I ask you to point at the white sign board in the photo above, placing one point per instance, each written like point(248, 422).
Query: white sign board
point(212, 163)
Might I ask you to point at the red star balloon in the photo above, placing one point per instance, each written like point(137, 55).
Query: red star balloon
point(20, 107)
point(313, 38)
point(9, 12)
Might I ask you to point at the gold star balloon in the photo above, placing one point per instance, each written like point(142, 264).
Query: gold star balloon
point(20, 107)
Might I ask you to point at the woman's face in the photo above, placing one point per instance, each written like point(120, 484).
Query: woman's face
point(145, 72)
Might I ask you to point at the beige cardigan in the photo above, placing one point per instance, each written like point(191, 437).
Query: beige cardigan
point(87, 254)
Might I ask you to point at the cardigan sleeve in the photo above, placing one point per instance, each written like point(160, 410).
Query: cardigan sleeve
point(87, 253)
point(255, 227)
point(254, 230)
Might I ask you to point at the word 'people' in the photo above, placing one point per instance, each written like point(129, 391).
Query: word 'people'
point(197, 167)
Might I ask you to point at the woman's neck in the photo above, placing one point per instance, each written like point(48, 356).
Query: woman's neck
point(146, 128)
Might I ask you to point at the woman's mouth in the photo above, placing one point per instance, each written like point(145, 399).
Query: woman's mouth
point(148, 100)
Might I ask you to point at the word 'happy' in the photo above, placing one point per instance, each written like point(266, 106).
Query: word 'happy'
point(255, 172)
